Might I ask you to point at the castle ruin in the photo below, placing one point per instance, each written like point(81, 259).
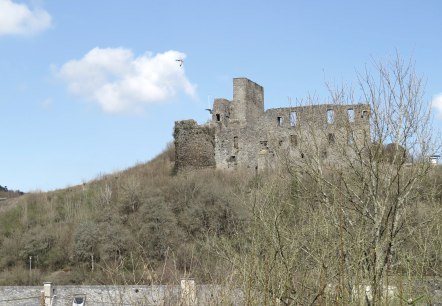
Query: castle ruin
point(242, 134)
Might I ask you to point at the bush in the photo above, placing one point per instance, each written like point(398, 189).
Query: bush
point(37, 243)
point(158, 228)
point(85, 242)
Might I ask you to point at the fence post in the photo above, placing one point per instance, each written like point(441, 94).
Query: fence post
point(188, 292)
point(47, 288)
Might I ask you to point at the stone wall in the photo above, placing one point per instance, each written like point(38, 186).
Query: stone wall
point(117, 295)
point(243, 135)
point(248, 102)
point(430, 291)
point(323, 131)
point(194, 145)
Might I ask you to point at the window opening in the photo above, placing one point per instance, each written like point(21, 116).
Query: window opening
point(330, 116)
point(364, 114)
point(235, 142)
point(350, 138)
point(218, 117)
point(331, 138)
point(351, 114)
point(294, 140)
point(293, 119)
point(280, 143)
point(280, 120)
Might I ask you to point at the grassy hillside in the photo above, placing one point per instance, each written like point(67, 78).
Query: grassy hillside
point(5, 193)
point(144, 214)
point(269, 233)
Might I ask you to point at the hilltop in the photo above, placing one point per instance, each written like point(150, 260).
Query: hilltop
point(5, 193)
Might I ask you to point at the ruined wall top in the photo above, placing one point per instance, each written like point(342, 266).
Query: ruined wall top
point(241, 130)
point(248, 101)
point(247, 109)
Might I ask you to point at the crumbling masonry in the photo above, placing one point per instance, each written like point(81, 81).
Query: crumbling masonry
point(242, 135)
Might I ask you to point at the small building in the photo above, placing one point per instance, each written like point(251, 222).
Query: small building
point(434, 159)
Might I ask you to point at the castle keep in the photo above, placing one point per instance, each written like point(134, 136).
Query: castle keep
point(242, 134)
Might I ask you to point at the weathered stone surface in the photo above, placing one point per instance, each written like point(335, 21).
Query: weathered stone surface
point(194, 145)
point(242, 134)
point(429, 289)
point(117, 295)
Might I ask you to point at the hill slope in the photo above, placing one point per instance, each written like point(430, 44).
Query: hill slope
point(269, 233)
point(144, 212)
point(5, 193)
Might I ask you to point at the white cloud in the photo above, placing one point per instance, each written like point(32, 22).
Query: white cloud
point(437, 104)
point(17, 18)
point(120, 82)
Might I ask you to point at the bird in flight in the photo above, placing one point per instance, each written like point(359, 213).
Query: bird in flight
point(181, 61)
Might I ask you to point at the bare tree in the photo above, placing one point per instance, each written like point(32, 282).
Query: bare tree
point(367, 186)
point(334, 224)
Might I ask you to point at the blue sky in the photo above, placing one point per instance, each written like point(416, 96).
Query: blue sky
point(92, 87)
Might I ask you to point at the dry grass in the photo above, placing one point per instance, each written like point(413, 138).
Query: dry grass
point(264, 234)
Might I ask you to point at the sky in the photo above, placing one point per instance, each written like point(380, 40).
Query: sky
point(92, 87)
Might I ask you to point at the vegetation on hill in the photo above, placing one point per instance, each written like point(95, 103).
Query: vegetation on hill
point(144, 214)
point(267, 233)
point(5, 193)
